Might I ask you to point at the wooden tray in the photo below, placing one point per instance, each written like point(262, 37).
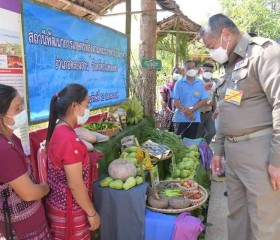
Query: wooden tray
point(190, 208)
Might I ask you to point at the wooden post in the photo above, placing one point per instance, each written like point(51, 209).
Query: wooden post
point(146, 85)
point(128, 33)
point(177, 27)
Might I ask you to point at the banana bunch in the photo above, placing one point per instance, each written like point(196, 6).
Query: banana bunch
point(134, 110)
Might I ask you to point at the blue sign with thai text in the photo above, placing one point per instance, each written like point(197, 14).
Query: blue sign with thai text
point(62, 49)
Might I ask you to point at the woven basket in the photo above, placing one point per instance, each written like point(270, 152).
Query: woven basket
point(189, 189)
point(198, 201)
point(109, 132)
point(154, 159)
point(195, 203)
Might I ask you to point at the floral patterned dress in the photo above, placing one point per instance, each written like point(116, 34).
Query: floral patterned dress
point(18, 219)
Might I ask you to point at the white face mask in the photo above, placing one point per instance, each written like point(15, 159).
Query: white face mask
point(207, 75)
point(83, 119)
point(191, 73)
point(219, 54)
point(19, 119)
point(177, 76)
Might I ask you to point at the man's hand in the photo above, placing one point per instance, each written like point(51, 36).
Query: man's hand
point(210, 103)
point(274, 174)
point(215, 114)
point(190, 116)
point(188, 111)
point(216, 165)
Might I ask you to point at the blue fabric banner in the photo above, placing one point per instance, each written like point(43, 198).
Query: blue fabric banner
point(62, 49)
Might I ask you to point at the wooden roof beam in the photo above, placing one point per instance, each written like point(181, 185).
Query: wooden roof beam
point(69, 3)
point(105, 8)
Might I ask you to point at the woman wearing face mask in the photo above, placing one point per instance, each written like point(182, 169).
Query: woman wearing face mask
point(69, 206)
point(166, 99)
point(22, 214)
point(166, 90)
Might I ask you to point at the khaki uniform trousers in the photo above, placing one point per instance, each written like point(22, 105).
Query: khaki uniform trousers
point(254, 207)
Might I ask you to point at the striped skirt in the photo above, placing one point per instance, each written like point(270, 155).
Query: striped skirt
point(68, 226)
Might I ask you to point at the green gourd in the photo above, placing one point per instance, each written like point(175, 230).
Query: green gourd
point(129, 183)
point(116, 184)
point(105, 182)
point(139, 180)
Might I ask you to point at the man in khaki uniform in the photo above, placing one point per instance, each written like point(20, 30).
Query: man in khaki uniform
point(206, 128)
point(249, 128)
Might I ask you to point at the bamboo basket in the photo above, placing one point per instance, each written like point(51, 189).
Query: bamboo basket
point(195, 203)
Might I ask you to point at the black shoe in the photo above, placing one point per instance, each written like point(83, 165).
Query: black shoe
point(225, 194)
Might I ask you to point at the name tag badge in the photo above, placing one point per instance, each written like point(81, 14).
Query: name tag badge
point(233, 96)
point(241, 64)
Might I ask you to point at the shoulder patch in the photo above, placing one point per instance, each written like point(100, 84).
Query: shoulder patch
point(259, 40)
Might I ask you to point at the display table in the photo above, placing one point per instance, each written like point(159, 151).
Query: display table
point(111, 148)
point(122, 212)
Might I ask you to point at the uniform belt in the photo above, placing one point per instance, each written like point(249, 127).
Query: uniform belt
point(249, 136)
point(207, 111)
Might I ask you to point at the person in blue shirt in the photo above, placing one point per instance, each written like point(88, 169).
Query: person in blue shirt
point(189, 96)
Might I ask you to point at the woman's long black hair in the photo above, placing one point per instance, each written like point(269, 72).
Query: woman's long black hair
point(60, 103)
point(7, 94)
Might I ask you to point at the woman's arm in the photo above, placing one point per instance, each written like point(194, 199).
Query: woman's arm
point(27, 190)
point(80, 192)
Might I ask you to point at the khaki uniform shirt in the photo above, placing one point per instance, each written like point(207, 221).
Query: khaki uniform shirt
point(207, 108)
point(259, 78)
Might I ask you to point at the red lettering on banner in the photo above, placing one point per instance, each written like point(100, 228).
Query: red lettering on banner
point(11, 71)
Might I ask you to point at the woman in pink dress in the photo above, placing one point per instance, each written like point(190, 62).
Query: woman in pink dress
point(22, 214)
point(69, 205)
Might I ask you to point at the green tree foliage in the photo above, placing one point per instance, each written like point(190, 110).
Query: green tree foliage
point(259, 16)
point(166, 50)
point(198, 51)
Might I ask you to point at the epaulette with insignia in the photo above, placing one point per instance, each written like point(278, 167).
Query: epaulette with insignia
point(259, 40)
